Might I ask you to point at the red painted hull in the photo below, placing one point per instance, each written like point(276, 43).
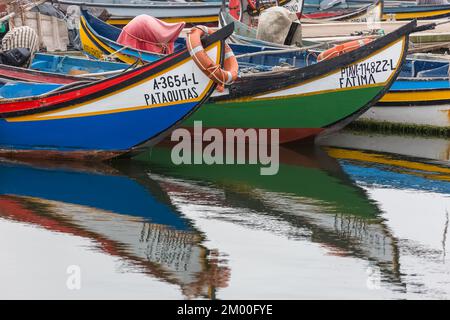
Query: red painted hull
point(286, 135)
point(60, 155)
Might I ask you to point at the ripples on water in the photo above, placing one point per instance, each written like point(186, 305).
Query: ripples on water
point(350, 219)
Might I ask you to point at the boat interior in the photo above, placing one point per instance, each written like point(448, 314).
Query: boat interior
point(15, 89)
point(425, 67)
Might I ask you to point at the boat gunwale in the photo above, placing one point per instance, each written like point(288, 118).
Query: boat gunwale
point(296, 75)
point(142, 73)
point(150, 5)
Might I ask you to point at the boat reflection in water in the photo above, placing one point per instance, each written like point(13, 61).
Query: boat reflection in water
point(409, 178)
point(334, 222)
point(124, 215)
point(310, 200)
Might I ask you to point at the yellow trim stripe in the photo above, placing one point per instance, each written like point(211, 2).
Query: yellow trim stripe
point(48, 115)
point(205, 19)
point(444, 172)
point(416, 96)
point(414, 15)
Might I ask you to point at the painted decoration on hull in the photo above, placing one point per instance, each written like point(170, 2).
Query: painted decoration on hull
point(181, 84)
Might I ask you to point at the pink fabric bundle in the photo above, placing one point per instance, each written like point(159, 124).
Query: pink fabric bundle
point(151, 34)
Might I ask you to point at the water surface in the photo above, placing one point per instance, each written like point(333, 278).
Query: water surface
point(362, 216)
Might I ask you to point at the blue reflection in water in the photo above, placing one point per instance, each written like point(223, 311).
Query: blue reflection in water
point(387, 177)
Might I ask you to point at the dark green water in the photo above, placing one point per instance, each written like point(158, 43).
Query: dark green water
point(362, 216)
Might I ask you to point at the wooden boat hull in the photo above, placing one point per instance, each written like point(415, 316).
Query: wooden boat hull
point(72, 65)
point(306, 102)
point(408, 146)
point(422, 12)
point(121, 13)
point(121, 115)
point(344, 31)
point(416, 92)
point(369, 12)
point(395, 10)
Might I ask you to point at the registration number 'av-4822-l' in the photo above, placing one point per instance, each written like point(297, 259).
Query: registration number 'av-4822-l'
point(364, 73)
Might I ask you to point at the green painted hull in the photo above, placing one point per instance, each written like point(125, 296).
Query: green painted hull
point(310, 176)
point(300, 112)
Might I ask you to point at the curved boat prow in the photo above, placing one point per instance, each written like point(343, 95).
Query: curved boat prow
point(120, 115)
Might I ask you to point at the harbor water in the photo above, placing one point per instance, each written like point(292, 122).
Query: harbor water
point(361, 216)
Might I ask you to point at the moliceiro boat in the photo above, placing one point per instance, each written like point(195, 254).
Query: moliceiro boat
point(301, 102)
point(246, 10)
point(108, 118)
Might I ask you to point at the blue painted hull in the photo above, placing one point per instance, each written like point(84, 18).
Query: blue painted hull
point(109, 132)
point(389, 178)
point(24, 89)
point(101, 190)
point(68, 65)
point(420, 84)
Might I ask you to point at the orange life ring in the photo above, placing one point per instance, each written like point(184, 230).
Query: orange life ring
point(343, 48)
point(220, 76)
point(235, 8)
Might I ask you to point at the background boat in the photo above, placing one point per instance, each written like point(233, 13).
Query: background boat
point(428, 149)
point(120, 12)
point(392, 10)
point(420, 98)
point(106, 119)
point(324, 205)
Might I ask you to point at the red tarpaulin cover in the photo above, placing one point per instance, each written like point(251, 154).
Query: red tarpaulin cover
point(151, 34)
